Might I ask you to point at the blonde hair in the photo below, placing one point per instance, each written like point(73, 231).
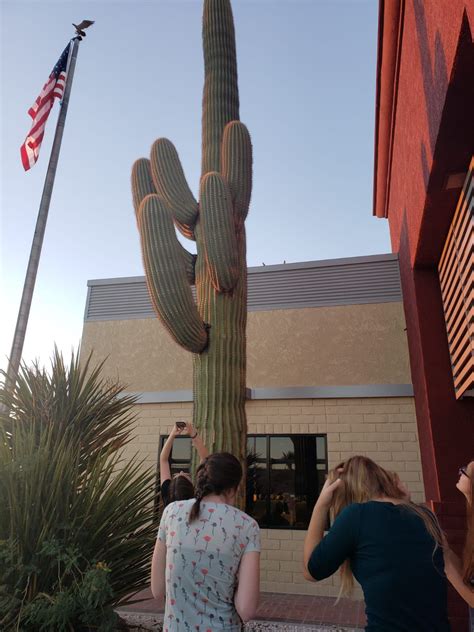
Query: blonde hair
point(365, 480)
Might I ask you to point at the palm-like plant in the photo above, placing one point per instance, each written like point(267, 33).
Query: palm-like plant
point(289, 457)
point(76, 520)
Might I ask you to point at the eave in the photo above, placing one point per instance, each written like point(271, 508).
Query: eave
point(390, 33)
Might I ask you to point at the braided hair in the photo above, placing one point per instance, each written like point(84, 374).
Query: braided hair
point(218, 473)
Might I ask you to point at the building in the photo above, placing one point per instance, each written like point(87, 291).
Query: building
point(328, 376)
point(423, 185)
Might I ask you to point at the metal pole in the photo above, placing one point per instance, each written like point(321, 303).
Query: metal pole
point(30, 279)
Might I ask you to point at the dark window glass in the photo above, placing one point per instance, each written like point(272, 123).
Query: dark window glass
point(297, 466)
point(285, 474)
point(182, 449)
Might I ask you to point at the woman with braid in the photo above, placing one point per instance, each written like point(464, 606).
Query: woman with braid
point(206, 561)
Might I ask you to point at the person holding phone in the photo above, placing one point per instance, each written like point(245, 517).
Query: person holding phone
point(180, 486)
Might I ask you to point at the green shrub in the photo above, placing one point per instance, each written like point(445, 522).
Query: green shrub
point(76, 520)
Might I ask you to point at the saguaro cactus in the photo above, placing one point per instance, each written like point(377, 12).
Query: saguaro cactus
point(214, 328)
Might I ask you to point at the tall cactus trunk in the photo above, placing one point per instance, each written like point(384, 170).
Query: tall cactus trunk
point(219, 371)
point(214, 329)
point(220, 101)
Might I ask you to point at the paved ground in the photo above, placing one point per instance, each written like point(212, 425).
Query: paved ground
point(153, 623)
point(277, 611)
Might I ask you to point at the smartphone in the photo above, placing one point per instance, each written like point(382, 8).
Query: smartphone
point(180, 425)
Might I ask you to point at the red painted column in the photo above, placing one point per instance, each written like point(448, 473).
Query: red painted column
point(445, 425)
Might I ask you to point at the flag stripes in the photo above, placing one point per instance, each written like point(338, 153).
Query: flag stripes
point(40, 110)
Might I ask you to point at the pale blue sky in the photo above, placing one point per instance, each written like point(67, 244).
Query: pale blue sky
point(307, 92)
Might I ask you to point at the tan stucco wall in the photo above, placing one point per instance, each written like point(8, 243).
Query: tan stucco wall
point(381, 428)
point(323, 346)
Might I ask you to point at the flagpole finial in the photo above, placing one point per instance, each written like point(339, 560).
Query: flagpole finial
point(80, 32)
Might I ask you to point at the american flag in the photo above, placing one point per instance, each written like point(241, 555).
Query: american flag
point(41, 108)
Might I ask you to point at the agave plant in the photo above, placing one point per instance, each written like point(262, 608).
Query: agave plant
point(76, 520)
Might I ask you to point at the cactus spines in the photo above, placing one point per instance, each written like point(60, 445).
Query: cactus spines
point(142, 184)
point(171, 185)
point(218, 232)
point(166, 275)
point(220, 103)
point(236, 167)
point(214, 329)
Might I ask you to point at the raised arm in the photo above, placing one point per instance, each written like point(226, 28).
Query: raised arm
point(197, 441)
point(317, 525)
point(165, 472)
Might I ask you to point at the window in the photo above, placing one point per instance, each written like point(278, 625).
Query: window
point(285, 474)
point(180, 458)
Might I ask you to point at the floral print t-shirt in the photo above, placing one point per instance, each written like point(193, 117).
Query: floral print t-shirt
point(202, 561)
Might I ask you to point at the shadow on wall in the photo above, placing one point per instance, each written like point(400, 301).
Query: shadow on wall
point(452, 152)
point(435, 74)
point(436, 85)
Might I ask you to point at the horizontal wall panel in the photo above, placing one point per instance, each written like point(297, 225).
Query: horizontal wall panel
point(357, 280)
point(121, 300)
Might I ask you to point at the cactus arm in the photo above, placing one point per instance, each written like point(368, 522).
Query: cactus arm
point(166, 276)
point(142, 183)
point(218, 232)
point(221, 94)
point(171, 185)
point(236, 167)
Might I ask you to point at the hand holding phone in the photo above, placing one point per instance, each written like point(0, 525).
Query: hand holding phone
point(180, 425)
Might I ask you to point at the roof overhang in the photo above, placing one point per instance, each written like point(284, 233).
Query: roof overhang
point(390, 33)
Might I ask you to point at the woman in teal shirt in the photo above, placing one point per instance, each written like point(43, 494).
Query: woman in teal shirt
point(390, 545)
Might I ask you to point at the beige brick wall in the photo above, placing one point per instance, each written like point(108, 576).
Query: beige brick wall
point(281, 566)
point(382, 428)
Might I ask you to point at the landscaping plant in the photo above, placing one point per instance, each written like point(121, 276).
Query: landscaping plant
point(76, 519)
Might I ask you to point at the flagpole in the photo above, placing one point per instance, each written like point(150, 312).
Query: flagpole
point(37, 244)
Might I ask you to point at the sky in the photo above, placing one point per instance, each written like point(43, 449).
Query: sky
point(307, 94)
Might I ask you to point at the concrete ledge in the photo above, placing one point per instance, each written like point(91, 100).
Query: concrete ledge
point(289, 392)
point(332, 392)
